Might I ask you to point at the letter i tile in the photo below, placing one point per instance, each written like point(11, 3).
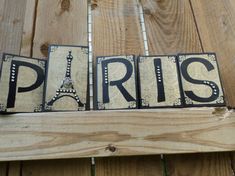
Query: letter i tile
point(158, 82)
point(200, 78)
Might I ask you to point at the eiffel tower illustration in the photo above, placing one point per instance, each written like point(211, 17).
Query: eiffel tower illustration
point(66, 88)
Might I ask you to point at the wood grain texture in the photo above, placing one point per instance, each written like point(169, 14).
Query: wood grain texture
point(59, 22)
point(170, 27)
point(42, 27)
point(28, 28)
point(11, 25)
point(116, 28)
point(71, 167)
point(216, 24)
point(14, 168)
point(190, 165)
point(128, 166)
point(3, 169)
point(116, 133)
point(116, 31)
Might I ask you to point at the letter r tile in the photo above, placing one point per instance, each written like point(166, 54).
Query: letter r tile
point(116, 82)
point(21, 84)
point(201, 85)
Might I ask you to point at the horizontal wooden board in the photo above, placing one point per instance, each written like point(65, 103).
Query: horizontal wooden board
point(116, 133)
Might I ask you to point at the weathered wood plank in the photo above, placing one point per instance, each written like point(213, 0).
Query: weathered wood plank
point(70, 167)
point(216, 24)
point(125, 166)
point(170, 27)
point(59, 22)
point(190, 165)
point(11, 26)
point(116, 30)
point(115, 133)
point(14, 168)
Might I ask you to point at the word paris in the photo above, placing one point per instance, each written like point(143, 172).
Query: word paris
point(121, 82)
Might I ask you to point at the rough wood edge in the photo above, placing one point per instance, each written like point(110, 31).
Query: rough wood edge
point(115, 133)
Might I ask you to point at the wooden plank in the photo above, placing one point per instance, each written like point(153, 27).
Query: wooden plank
point(116, 28)
point(216, 24)
point(116, 31)
point(54, 22)
point(116, 133)
point(70, 167)
point(125, 166)
point(28, 28)
point(159, 82)
point(171, 28)
point(11, 24)
point(59, 22)
point(116, 83)
point(14, 168)
point(3, 169)
point(66, 87)
point(210, 164)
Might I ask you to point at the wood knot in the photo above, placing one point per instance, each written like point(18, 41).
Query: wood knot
point(65, 5)
point(44, 49)
point(219, 111)
point(94, 4)
point(146, 11)
point(111, 148)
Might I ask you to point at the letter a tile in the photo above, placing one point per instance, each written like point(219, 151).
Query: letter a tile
point(67, 78)
point(159, 82)
point(21, 84)
point(200, 80)
point(116, 83)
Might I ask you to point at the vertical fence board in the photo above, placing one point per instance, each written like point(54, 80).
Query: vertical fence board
point(216, 24)
point(3, 169)
point(11, 27)
point(207, 164)
point(171, 28)
point(14, 169)
point(57, 22)
point(128, 166)
point(116, 30)
point(71, 167)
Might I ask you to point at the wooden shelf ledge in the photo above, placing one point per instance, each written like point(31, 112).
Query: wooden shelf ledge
point(115, 133)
